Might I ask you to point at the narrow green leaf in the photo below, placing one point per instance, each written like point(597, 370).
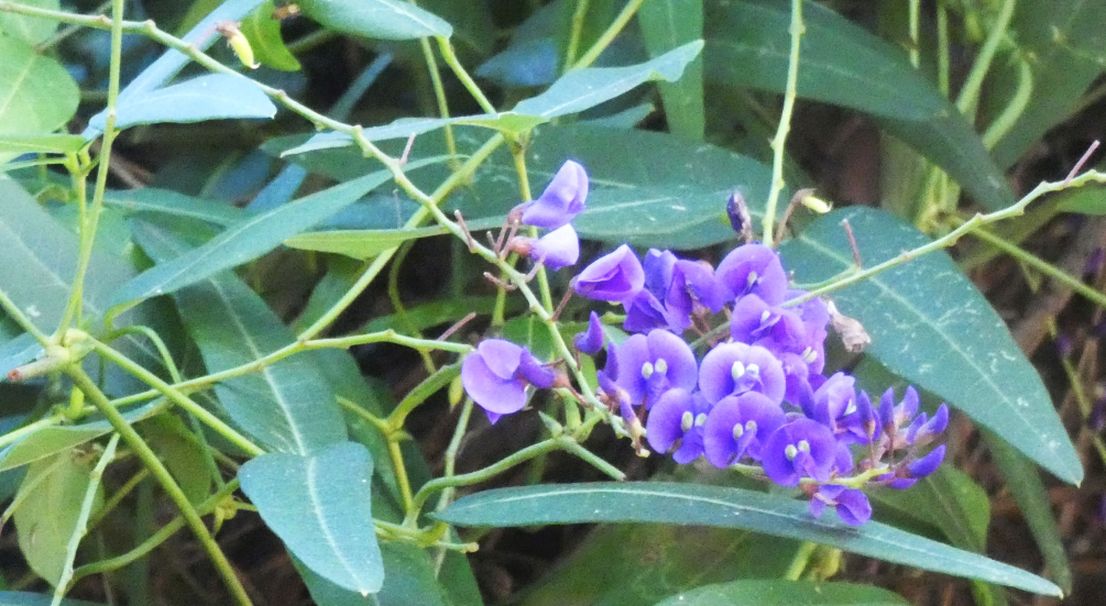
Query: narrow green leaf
point(208, 97)
point(378, 19)
point(573, 93)
point(168, 202)
point(288, 406)
point(931, 326)
point(1063, 44)
point(50, 509)
point(183, 455)
point(779, 592)
point(840, 63)
point(1086, 200)
point(320, 506)
point(1024, 482)
point(31, 30)
point(39, 143)
point(247, 239)
point(263, 32)
point(666, 24)
point(202, 35)
point(23, 598)
point(366, 243)
point(49, 441)
point(690, 504)
point(37, 94)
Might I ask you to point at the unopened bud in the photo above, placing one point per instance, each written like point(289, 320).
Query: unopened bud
point(816, 204)
point(238, 43)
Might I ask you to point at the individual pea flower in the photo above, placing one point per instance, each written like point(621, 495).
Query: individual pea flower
point(615, 277)
point(648, 365)
point(901, 425)
point(832, 400)
point(618, 399)
point(497, 374)
point(777, 329)
point(592, 340)
point(909, 471)
point(754, 269)
point(646, 310)
point(562, 200)
point(737, 368)
point(556, 249)
point(852, 505)
point(694, 286)
point(801, 448)
point(677, 420)
point(737, 427)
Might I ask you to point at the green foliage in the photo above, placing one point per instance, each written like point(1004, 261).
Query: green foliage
point(690, 504)
point(211, 97)
point(381, 19)
point(781, 593)
point(262, 29)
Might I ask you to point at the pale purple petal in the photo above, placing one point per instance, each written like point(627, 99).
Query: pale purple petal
point(615, 277)
point(562, 200)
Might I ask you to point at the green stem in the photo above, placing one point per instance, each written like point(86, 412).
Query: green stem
point(914, 19)
point(419, 394)
point(800, 561)
point(1014, 109)
point(162, 475)
point(784, 127)
point(91, 221)
point(153, 541)
point(607, 37)
point(117, 496)
point(20, 318)
point(968, 98)
point(1050, 270)
point(177, 397)
point(439, 95)
point(80, 528)
point(445, 47)
point(943, 49)
point(578, 17)
point(951, 238)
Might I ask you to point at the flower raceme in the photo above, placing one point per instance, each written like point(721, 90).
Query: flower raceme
point(756, 401)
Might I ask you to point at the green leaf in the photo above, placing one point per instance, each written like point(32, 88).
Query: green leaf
point(40, 143)
point(247, 239)
point(288, 406)
point(666, 24)
point(202, 35)
point(773, 592)
point(624, 564)
point(840, 63)
point(1062, 42)
point(378, 19)
point(263, 32)
point(23, 598)
point(50, 509)
point(37, 94)
point(49, 441)
point(573, 93)
point(208, 97)
point(31, 30)
point(931, 326)
point(39, 260)
point(690, 504)
point(408, 579)
point(168, 202)
point(183, 455)
point(1086, 200)
point(1024, 483)
point(320, 506)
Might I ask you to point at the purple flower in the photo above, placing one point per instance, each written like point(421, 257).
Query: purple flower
point(736, 368)
point(693, 283)
point(737, 426)
point(833, 399)
point(802, 448)
point(658, 266)
point(678, 417)
point(496, 376)
point(562, 199)
point(590, 341)
point(754, 269)
point(556, 249)
point(644, 313)
point(615, 277)
point(927, 464)
point(776, 329)
point(649, 365)
point(852, 505)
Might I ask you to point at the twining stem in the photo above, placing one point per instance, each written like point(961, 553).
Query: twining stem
point(968, 99)
point(951, 238)
point(779, 142)
point(80, 528)
point(579, 16)
point(1006, 120)
point(439, 95)
point(139, 446)
point(445, 47)
point(621, 20)
point(90, 220)
point(21, 319)
point(800, 561)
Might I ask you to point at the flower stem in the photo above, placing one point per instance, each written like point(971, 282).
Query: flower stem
point(779, 142)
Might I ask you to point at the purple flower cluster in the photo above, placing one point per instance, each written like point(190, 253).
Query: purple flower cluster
point(757, 399)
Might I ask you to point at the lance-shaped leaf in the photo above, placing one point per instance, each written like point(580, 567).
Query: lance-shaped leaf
point(37, 94)
point(573, 93)
point(701, 505)
point(378, 19)
point(840, 63)
point(287, 406)
point(782, 592)
point(208, 97)
point(247, 239)
point(262, 29)
point(666, 24)
point(321, 507)
point(931, 326)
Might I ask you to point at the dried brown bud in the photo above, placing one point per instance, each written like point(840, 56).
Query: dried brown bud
point(852, 332)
